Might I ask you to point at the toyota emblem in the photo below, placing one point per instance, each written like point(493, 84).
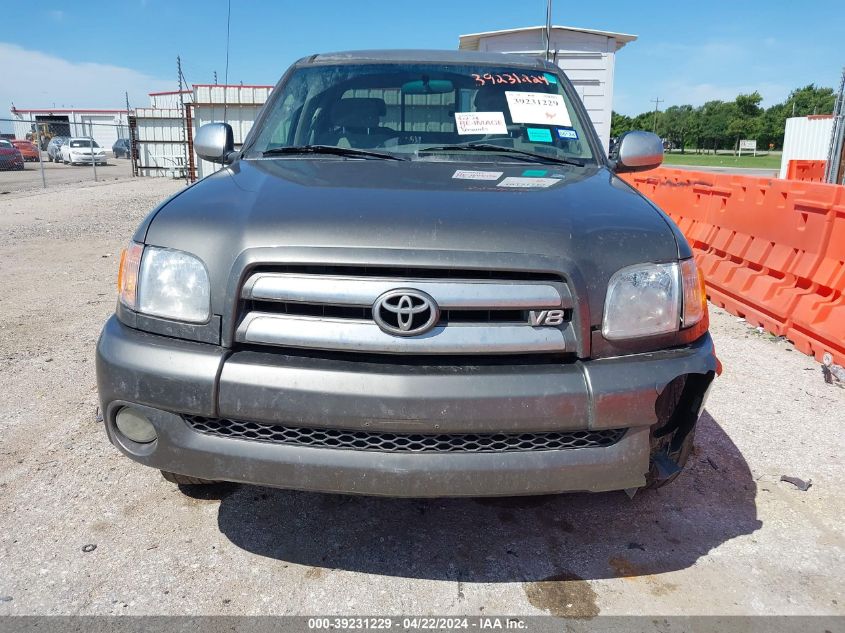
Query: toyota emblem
point(405, 312)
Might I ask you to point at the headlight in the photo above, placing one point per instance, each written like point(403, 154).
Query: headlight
point(650, 299)
point(642, 300)
point(168, 283)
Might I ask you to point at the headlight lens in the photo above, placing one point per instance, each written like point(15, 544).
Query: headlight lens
point(173, 285)
point(642, 300)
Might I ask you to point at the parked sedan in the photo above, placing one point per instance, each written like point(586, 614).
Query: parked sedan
point(54, 147)
point(121, 148)
point(27, 149)
point(79, 151)
point(10, 156)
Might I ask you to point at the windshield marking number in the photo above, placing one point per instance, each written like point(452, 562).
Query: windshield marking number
point(509, 78)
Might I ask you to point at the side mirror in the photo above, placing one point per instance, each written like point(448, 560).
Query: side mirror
point(215, 142)
point(637, 151)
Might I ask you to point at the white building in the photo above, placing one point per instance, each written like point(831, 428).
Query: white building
point(105, 126)
point(806, 138)
point(587, 56)
point(164, 132)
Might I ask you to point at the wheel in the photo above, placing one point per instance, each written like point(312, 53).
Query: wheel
point(185, 480)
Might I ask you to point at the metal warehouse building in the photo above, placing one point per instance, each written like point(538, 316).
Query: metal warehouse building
point(586, 56)
point(105, 126)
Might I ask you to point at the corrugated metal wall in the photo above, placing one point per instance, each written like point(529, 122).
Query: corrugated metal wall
point(160, 142)
point(242, 105)
point(806, 138)
point(162, 147)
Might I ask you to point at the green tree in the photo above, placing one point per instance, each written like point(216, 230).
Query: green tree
point(716, 116)
point(619, 124)
point(677, 125)
point(744, 117)
point(810, 100)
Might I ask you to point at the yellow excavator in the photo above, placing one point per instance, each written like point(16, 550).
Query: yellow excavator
point(42, 136)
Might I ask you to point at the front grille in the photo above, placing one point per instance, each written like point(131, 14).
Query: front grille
point(343, 309)
point(411, 272)
point(326, 310)
point(404, 442)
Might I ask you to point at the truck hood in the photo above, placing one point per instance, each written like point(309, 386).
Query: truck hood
point(585, 215)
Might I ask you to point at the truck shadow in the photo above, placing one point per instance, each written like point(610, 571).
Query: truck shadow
point(524, 539)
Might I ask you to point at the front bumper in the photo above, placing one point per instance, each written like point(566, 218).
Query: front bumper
point(169, 378)
point(11, 163)
point(86, 160)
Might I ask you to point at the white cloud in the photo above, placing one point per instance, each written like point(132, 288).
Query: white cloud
point(32, 79)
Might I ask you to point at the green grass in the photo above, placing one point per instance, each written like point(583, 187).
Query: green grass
point(761, 161)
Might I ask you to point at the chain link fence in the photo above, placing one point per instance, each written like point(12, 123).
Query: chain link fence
point(44, 152)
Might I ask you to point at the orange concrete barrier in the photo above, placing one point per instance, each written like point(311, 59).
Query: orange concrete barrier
point(808, 170)
point(771, 250)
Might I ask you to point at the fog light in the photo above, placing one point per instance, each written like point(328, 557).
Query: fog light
point(135, 426)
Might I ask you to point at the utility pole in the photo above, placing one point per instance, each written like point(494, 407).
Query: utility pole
point(129, 135)
point(656, 101)
point(184, 128)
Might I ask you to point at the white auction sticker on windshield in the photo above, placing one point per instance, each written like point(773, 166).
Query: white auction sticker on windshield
point(481, 122)
point(538, 107)
point(469, 174)
point(522, 183)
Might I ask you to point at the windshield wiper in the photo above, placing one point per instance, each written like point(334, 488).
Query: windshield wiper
point(491, 147)
point(329, 149)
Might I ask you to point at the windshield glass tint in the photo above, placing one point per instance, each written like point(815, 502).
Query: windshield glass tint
point(403, 108)
point(82, 144)
point(6, 145)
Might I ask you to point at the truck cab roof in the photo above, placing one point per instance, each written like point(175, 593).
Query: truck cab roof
point(427, 56)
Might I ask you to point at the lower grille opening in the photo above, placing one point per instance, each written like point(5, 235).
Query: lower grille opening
point(404, 442)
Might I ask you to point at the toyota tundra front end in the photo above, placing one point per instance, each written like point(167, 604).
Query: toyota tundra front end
point(419, 276)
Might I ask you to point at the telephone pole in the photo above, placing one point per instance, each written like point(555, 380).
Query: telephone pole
point(656, 101)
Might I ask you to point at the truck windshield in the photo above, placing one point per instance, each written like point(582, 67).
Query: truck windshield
point(424, 112)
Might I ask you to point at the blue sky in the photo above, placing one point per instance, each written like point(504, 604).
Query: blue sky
point(686, 52)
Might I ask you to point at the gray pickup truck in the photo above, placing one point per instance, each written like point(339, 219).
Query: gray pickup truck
point(419, 275)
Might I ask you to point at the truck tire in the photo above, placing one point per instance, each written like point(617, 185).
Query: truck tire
point(185, 480)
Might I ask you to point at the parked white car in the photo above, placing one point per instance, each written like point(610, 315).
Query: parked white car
point(82, 151)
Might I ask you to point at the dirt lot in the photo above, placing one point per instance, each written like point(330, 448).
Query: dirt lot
point(726, 538)
point(57, 174)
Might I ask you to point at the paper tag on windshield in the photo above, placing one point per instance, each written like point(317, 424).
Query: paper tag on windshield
point(481, 123)
point(538, 107)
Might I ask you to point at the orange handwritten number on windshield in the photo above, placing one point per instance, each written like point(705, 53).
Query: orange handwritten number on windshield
point(478, 80)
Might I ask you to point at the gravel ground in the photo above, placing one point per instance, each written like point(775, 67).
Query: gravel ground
point(59, 175)
point(84, 530)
